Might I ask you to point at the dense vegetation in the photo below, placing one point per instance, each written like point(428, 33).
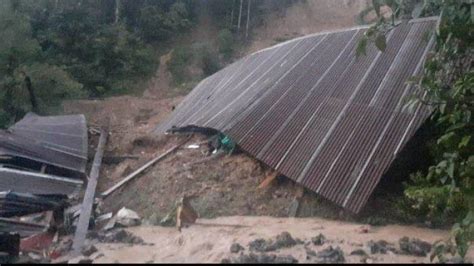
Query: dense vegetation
point(53, 50)
point(444, 193)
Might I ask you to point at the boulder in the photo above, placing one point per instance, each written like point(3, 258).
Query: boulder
point(236, 248)
point(415, 247)
point(127, 218)
point(318, 240)
point(331, 255)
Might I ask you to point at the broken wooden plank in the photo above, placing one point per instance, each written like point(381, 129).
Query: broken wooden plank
point(141, 169)
point(86, 208)
point(268, 180)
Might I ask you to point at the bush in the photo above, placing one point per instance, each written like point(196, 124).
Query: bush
point(207, 59)
point(177, 65)
point(226, 43)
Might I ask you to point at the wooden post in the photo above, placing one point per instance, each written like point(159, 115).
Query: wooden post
point(86, 208)
point(240, 15)
point(248, 19)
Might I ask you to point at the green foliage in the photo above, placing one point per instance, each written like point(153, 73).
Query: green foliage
point(157, 25)
point(97, 55)
point(207, 59)
point(445, 193)
point(177, 65)
point(226, 43)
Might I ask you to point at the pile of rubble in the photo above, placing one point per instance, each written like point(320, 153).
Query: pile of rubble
point(319, 249)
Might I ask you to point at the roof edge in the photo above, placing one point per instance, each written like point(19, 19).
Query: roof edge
point(416, 20)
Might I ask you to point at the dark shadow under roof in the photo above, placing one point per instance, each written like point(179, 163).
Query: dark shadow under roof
point(316, 113)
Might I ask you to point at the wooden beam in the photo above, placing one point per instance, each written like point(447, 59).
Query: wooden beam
point(268, 180)
point(86, 208)
point(141, 169)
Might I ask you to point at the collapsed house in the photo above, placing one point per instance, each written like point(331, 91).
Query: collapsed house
point(42, 164)
point(317, 113)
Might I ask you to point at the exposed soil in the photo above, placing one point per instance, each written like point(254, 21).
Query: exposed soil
point(209, 241)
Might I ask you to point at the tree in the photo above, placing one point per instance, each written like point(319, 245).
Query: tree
point(446, 190)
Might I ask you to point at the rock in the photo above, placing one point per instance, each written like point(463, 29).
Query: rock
point(80, 260)
point(359, 252)
point(225, 261)
point(284, 240)
point(127, 218)
point(121, 236)
point(285, 259)
point(414, 247)
point(331, 255)
point(236, 248)
point(89, 250)
point(261, 245)
point(261, 258)
point(318, 240)
point(311, 253)
point(378, 247)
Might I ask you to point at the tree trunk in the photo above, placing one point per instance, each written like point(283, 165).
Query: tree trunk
point(29, 87)
point(117, 11)
point(232, 15)
point(240, 15)
point(248, 19)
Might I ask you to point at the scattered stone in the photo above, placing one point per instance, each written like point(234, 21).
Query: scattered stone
point(261, 245)
point(261, 258)
point(80, 260)
point(89, 250)
point(318, 240)
point(127, 218)
point(378, 247)
point(121, 236)
point(285, 240)
point(236, 248)
point(331, 255)
point(414, 246)
point(359, 252)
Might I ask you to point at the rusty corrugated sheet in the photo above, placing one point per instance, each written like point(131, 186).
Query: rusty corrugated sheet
point(60, 141)
point(315, 112)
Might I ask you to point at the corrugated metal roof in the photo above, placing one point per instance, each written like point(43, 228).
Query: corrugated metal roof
point(19, 204)
point(60, 141)
point(36, 183)
point(315, 112)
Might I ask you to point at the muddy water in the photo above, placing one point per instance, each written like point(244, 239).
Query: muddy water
point(210, 240)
